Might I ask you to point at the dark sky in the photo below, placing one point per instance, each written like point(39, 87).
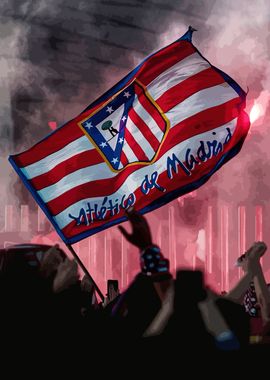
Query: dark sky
point(69, 52)
point(57, 56)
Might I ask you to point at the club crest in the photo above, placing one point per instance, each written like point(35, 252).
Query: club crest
point(128, 129)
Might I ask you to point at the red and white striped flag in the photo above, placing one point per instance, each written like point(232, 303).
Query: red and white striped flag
point(161, 132)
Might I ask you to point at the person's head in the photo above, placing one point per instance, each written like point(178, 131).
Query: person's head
point(189, 287)
point(50, 261)
point(22, 287)
point(89, 299)
point(19, 261)
point(87, 285)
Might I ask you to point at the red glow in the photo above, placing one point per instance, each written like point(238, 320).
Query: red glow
point(256, 112)
point(241, 233)
point(109, 255)
point(258, 223)
point(209, 252)
point(224, 250)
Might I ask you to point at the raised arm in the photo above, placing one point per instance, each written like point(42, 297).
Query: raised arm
point(261, 289)
point(152, 262)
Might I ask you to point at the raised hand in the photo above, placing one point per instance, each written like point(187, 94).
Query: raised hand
point(250, 259)
point(52, 258)
point(141, 234)
point(257, 250)
point(67, 275)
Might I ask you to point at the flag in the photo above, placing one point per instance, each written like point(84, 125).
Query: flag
point(159, 133)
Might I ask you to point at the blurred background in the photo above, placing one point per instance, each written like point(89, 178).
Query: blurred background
point(57, 56)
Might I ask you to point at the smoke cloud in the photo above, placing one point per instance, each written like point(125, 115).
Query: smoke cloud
point(58, 56)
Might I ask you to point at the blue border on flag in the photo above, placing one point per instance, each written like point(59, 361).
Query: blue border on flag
point(116, 88)
point(165, 198)
point(154, 205)
point(122, 83)
point(36, 197)
point(227, 79)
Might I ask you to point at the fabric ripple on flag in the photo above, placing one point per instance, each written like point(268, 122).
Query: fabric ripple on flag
point(161, 132)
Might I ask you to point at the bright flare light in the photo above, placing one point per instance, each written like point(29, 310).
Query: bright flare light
point(256, 112)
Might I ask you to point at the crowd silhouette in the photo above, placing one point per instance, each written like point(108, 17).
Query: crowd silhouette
point(44, 302)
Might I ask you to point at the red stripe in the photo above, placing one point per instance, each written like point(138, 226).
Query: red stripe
point(180, 180)
point(151, 109)
point(163, 60)
point(203, 122)
point(89, 190)
point(151, 68)
point(123, 158)
point(145, 130)
point(79, 161)
point(155, 65)
point(135, 146)
point(200, 81)
point(50, 144)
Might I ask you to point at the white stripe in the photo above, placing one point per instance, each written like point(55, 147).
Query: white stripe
point(134, 180)
point(176, 74)
point(129, 152)
point(102, 171)
point(120, 166)
point(43, 166)
point(140, 139)
point(147, 118)
point(202, 100)
point(74, 179)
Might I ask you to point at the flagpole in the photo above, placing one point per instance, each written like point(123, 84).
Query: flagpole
point(85, 271)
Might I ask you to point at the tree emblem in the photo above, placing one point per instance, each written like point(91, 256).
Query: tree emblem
point(107, 126)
